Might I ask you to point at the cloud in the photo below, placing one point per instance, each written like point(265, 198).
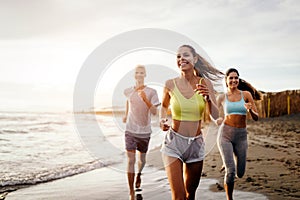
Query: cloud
point(46, 42)
point(31, 18)
point(34, 18)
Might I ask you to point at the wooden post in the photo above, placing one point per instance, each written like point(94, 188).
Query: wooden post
point(269, 106)
point(288, 105)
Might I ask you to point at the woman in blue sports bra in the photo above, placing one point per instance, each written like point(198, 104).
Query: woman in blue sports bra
point(183, 146)
point(232, 136)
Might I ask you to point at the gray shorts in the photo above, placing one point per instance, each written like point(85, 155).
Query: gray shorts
point(138, 142)
point(187, 149)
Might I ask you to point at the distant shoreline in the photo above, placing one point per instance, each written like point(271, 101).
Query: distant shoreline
point(108, 112)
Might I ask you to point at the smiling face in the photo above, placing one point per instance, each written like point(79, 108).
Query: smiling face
point(185, 58)
point(232, 80)
point(140, 73)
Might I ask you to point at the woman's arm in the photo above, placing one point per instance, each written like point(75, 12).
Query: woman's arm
point(206, 89)
point(250, 105)
point(220, 102)
point(164, 108)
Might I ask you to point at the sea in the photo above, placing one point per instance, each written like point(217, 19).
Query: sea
point(38, 147)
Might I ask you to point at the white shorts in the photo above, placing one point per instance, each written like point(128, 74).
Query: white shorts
point(187, 149)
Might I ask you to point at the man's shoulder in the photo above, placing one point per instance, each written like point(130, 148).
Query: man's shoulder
point(128, 90)
point(150, 90)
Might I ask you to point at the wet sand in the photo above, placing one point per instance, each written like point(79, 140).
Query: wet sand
point(108, 183)
point(272, 171)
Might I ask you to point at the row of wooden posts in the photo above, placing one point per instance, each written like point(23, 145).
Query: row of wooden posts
point(275, 104)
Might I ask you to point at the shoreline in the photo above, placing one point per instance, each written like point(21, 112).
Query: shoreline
point(272, 168)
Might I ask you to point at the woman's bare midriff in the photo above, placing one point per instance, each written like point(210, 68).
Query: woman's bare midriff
point(187, 128)
point(238, 121)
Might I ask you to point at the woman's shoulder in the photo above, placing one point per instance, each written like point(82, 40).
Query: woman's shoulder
point(247, 95)
point(170, 84)
point(221, 97)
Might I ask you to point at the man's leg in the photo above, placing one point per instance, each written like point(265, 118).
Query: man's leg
point(142, 147)
point(130, 171)
point(141, 165)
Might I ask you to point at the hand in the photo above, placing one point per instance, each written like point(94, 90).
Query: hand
point(124, 119)
point(248, 106)
point(219, 121)
point(203, 90)
point(142, 94)
point(164, 125)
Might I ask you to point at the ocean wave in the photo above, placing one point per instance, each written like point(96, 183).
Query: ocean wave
point(11, 131)
point(51, 174)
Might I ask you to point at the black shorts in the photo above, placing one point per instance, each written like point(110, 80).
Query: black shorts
point(138, 142)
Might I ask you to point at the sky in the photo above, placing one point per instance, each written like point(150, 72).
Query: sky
point(44, 44)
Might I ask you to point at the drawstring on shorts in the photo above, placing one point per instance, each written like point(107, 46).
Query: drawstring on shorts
point(191, 139)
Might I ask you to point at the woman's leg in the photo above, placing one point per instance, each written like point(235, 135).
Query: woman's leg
point(174, 170)
point(192, 172)
point(240, 151)
point(229, 190)
point(228, 160)
point(226, 151)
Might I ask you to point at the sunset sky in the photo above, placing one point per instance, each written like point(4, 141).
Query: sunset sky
point(43, 44)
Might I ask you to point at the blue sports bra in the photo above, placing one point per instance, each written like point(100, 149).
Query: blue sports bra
point(236, 107)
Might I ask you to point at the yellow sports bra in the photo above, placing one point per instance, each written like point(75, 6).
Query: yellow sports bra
point(184, 109)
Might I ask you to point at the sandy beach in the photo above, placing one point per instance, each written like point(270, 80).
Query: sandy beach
point(272, 171)
point(273, 159)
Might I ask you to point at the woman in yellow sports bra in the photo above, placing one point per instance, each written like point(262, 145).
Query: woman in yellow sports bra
point(187, 96)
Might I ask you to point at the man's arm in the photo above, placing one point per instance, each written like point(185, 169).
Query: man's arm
point(126, 112)
point(152, 108)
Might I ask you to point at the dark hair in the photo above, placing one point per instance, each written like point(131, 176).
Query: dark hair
point(231, 70)
point(244, 85)
point(204, 68)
